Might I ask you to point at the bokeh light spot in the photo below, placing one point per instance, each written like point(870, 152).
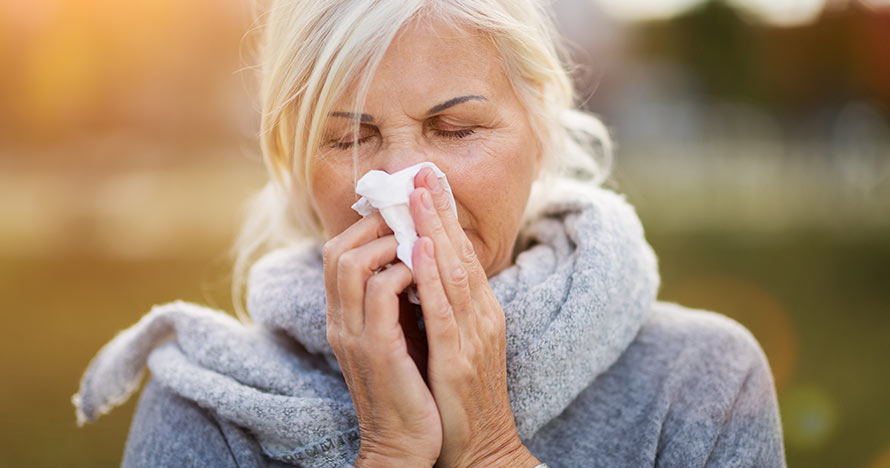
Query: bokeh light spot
point(808, 416)
point(882, 460)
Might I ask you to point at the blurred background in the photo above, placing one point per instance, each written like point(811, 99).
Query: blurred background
point(753, 138)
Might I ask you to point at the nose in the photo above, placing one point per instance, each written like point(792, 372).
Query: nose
point(393, 160)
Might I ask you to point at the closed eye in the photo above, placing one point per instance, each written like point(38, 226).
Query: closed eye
point(345, 145)
point(346, 141)
point(454, 135)
point(342, 144)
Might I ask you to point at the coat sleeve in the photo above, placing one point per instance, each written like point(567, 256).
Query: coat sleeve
point(751, 434)
point(168, 430)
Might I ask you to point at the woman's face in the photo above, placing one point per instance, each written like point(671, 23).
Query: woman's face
point(439, 95)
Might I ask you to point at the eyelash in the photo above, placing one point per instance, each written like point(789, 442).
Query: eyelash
point(455, 135)
point(346, 145)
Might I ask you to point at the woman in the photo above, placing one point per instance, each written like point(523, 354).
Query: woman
point(537, 338)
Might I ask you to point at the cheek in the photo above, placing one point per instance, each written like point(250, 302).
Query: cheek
point(503, 171)
point(332, 196)
point(491, 183)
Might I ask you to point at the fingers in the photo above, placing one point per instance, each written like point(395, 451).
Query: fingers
point(453, 273)
point(381, 299)
point(441, 327)
point(362, 232)
point(354, 268)
point(426, 178)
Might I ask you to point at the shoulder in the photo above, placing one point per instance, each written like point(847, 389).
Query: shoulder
point(694, 388)
point(700, 358)
point(716, 386)
point(701, 337)
point(168, 430)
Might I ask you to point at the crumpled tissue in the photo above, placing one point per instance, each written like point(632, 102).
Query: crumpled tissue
point(389, 194)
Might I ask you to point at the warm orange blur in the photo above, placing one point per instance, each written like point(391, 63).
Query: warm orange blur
point(757, 156)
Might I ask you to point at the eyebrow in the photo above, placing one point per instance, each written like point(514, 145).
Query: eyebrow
point(454, 102)
point(433, 110)
point(353, 116)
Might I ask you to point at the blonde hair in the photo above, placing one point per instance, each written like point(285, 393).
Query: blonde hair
point(312, 50)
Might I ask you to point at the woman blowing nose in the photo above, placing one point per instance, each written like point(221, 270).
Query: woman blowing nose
point(535, 336)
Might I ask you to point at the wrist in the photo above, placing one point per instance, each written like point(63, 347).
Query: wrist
point(374, 457)
point(512, 453)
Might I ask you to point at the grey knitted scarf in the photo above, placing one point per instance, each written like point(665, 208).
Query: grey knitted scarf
point(579, 290)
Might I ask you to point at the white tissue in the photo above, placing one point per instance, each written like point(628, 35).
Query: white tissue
point(389, 194)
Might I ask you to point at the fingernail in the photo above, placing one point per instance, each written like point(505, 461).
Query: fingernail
point(426, 200)
point(433, 182)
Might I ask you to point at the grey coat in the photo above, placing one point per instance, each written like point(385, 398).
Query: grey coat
point(693, 389)
point(599, 373)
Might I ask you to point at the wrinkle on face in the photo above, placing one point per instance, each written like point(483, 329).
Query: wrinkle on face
point(490, 170)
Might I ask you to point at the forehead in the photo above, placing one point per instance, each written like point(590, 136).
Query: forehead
point(441, 49)
point(430, 61)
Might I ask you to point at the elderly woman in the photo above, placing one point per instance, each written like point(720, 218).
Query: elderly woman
point(534, 336)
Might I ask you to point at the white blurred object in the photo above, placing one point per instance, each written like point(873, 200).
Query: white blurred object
point(389, 194)
point(876, 4)
point(644, 10)
point(783, 13)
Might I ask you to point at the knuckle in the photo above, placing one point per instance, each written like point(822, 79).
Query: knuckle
point(464, 369)
point(487, 327)
point(437, 229)
point(447, 326)
point(337, 340)
point(468, 252)
point(445, 314)
point(329, 253)
point(349, 344)
point(458, 277)
point(380, 288)
point(377, 283)
point(348, 262)
point(442, 203)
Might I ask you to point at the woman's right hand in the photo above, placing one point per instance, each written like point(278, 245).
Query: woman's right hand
point(397, 415)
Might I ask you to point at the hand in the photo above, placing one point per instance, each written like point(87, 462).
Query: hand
point(398, 418)
point(465, 327)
